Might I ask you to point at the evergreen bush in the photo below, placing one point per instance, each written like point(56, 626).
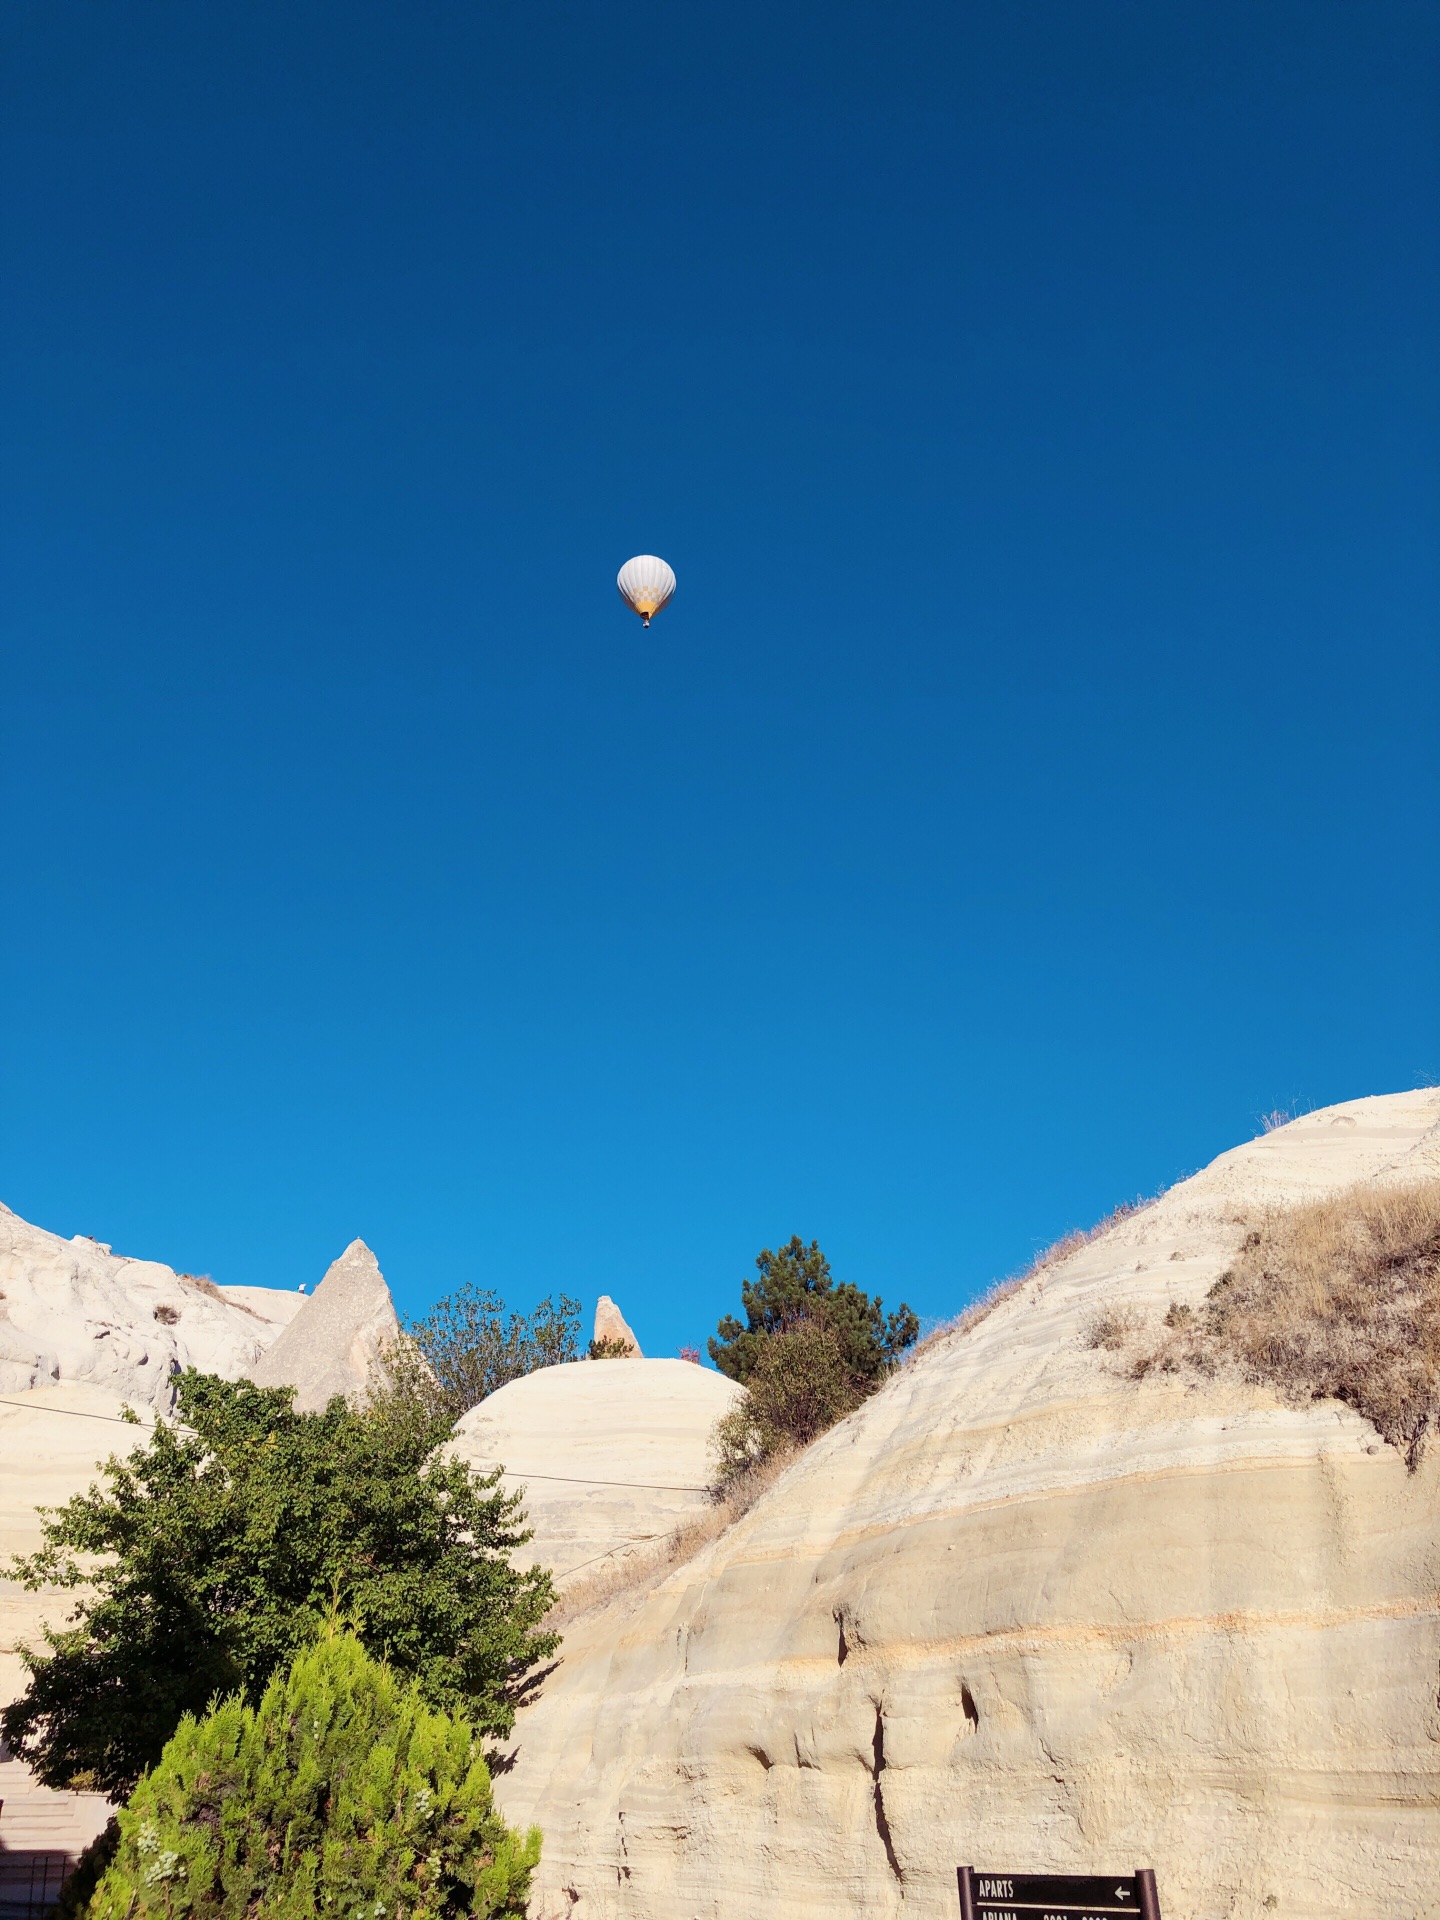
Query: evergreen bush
point(809, 1351)
point(342, 1793)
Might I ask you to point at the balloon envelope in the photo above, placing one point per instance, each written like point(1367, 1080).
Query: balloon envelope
point(645, 584)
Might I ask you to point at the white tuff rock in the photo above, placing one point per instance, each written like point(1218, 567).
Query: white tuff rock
point(71, 1311)
point(84, 1333)
point(609, 1454)
point(1023, 1612)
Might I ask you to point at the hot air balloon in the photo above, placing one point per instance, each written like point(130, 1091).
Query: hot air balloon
point(645, 585)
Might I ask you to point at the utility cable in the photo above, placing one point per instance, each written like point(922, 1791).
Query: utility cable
point(75, 1413)
point(619, 1547)
point(515, 1473)
point(579, 1480)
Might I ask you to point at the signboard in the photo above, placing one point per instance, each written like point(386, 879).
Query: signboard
point(1057, 1896)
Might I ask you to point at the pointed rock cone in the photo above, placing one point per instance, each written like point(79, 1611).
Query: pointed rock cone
point(335, 1342)
point(611, 1327)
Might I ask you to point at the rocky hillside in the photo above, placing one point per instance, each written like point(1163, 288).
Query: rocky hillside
point(1025, 1612)
point(73, 1312)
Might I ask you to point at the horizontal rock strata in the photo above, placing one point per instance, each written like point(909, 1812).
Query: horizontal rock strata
point(1023, 1612)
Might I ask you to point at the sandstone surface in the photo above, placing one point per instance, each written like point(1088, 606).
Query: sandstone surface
point(1022, 1612)
point(337, 1338)
point(53, 1441)
point(612, 1326)
point(609, 1454)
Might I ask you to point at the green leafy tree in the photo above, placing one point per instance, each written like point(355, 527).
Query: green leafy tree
point(467, 1347)
point(343, 1790)
point(205, 1561)
point(800, 1386)
point(796, 1284)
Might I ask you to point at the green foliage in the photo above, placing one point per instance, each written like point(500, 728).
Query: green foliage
point(225, 1540)
point(795, 1284)
point(800, 1385)
point(343, 1791)
point(466, 1348)
point(808, 1353)
point(610, 1349)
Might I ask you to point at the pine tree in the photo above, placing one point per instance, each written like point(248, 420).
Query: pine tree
point(341, 1794)
point(796, 1284)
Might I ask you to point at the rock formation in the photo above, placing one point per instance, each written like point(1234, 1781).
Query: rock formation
point(608, 1453)
point(338, 1337)
point(1024, 1612)
point(611, 1326)
point(70, 1310)
point(269, 1303)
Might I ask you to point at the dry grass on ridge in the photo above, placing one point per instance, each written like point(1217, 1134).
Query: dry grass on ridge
point(202, 1283)
point(1338, 1299)
point(1002, 1290)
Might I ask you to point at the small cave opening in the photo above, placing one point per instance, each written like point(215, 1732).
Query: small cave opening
point(969, 1708)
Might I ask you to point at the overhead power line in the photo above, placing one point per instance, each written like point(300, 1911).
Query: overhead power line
point(515, 1473)
point(73, 1413)
point(580, 1480)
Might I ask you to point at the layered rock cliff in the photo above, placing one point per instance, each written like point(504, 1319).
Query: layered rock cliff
point(1022, 1612)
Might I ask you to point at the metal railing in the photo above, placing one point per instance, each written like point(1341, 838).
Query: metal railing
point(30, 1882)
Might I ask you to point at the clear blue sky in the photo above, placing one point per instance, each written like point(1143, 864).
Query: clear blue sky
point(1033, 782)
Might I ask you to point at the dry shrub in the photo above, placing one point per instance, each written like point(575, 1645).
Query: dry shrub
point(1113, 1328)
point(202, 1283)
point(1338, 1299)
point(640, 1572)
